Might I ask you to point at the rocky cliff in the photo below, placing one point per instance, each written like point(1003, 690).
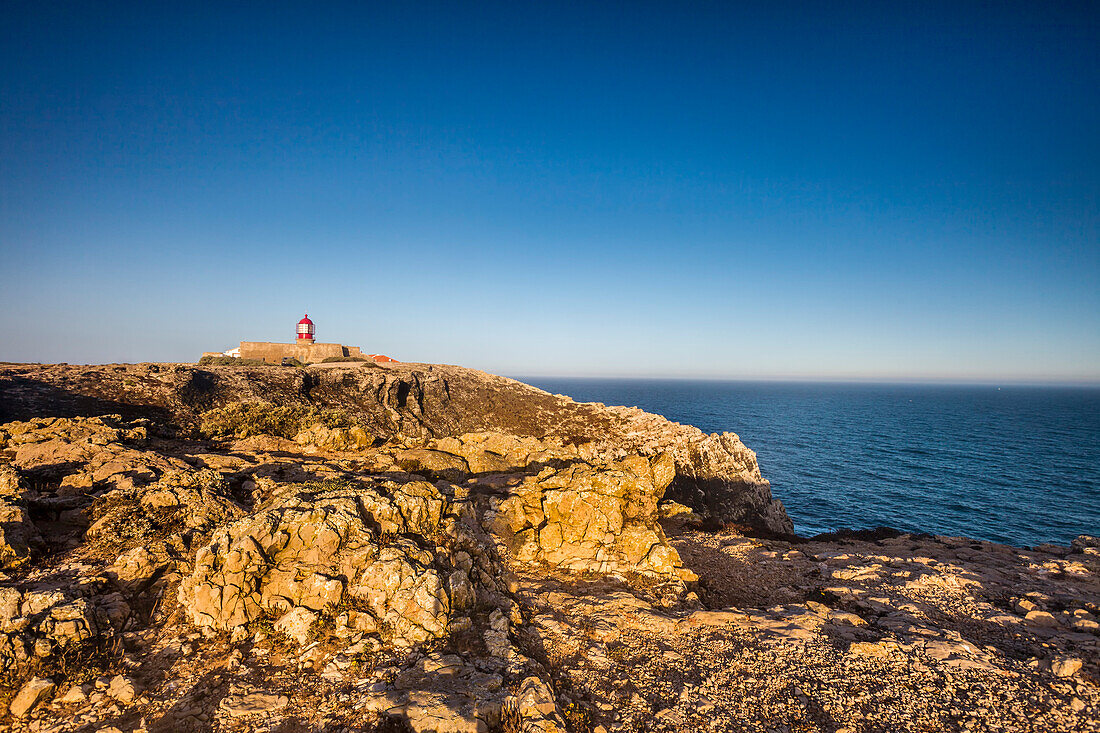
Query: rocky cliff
point(428, 548)
point(715, 474)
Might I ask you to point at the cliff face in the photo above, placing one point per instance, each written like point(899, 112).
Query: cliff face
point(715, 474)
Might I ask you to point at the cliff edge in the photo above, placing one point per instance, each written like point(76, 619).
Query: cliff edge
point(716, 474)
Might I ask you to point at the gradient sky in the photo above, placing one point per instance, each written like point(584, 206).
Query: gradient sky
point(676, 189)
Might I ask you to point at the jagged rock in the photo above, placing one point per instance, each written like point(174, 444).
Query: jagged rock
point(73, 696)
point(338, 439)
point(714, 473)
point(314, 547)
point(61, 611)
point(297, 623)
point(1086, 544)
point(538, 708)
point(1066, 666)
point(29, 696)
point(583, 517)
point(672, 509)
point(11, 484)
point(84, 452)
point(433, 463)
point(137, 565)
point(376, 562)
point(18, 535)
point(496, 452)
point(9, 607)
point(181, 505)
point(122, 689)
point(875, 650)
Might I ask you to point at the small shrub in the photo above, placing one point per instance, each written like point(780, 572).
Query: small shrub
point(578, 719)
point(230, 361)
point(619, 652)
point(245, 419)
point(75, 664)
point(337, 359)
point(264, 624)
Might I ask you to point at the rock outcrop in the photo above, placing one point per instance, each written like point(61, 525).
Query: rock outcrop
point(434, 549)
point(716, 473)
point(324, 548)
point(17, 534)
point(587, 518)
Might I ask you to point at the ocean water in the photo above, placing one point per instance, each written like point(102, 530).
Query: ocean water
point(1018, 465)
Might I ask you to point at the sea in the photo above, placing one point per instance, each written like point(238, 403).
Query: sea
point(1018, 465)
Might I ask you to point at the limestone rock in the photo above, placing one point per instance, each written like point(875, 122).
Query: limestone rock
point(239, 706)
point(29, 696)
point(713, 473)
point(339, 438)
point(10, 599)
point(11, 485)
point(73, 696)
point(191, 502)
point(1086, 544)
point(297, 623)
point(122, 689)
point(137, 565)
point(1041, 618)
point(317, 545)
point(1066, 666)
point(672, 509)
point(433, 463)
point(536, 705)
point(18, 535)
point(589, 518)
point(875, 650)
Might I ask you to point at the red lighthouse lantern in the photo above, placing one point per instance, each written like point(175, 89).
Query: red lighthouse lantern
point(305, 330)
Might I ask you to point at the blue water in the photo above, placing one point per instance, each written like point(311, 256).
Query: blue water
point(1019, 465)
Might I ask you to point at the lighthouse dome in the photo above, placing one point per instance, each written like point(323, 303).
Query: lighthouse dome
point(306, 328)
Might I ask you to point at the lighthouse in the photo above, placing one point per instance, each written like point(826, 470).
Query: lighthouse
point(304, 350)
point(305, 331)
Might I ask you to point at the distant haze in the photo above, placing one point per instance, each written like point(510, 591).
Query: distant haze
point(682, 190)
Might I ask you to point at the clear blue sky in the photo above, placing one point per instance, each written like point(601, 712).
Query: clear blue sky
point(676, 189)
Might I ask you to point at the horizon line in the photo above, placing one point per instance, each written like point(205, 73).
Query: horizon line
point(828, 379)
point(781, 378)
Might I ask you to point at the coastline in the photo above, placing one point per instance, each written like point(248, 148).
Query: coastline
point(435, 548)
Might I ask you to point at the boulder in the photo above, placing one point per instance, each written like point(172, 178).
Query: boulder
point(1066, 666)
point(29, 696)
point(136, 566)
point(315, 546)
point(122, 689)
point(587, 517)
point(297, 623)
point(238, 706)
point(433, 463)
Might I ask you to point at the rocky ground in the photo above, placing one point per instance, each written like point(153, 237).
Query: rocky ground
point(434, 549)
